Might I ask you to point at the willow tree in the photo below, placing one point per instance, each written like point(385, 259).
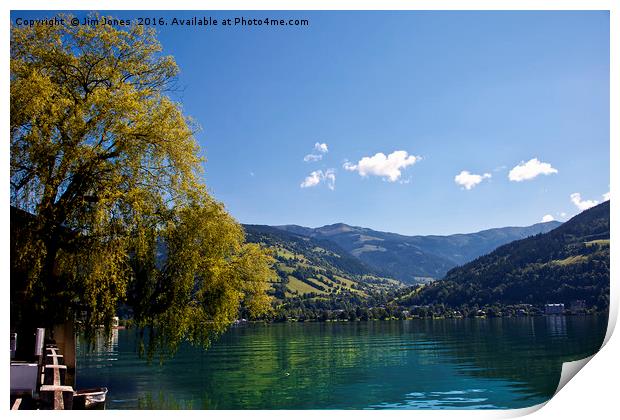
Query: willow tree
point(105, 172)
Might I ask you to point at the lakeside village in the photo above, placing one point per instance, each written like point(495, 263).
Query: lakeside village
point(438, 311)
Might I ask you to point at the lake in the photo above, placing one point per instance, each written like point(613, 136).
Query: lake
point(417, 364)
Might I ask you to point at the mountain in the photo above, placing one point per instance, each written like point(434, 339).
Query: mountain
point(310, 268)
point(318, 251)
point(414, 258)
point(568, 263)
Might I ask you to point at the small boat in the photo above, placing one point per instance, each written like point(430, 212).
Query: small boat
point(90, 399)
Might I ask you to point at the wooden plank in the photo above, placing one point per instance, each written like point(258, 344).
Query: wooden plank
point(54, 374)
point(57, 397)
point(63, 388)
point(53, 359)
point(51, 352)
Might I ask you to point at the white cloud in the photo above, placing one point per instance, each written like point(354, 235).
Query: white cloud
point(606, 196)
point(320, 147)
point(530, 170)
point(316, 177)
point(547, 218)
point(312, 157)
point(349, 166)
point(563, 214)
point(582, 204)
point(389, 167)
point(312, 180)
point(330, 178)
point(468, 180)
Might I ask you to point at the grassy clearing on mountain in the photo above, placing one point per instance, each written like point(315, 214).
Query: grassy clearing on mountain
point(599, 242)
point(574, 259)
point(296, 285)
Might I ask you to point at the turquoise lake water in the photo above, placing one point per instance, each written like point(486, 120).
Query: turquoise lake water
point(417, 364)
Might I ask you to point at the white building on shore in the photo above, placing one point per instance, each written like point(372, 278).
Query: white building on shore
point(554, 309)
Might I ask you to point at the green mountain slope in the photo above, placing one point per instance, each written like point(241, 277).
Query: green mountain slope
point(412, 258)
point(314, 268)
point(568, 263)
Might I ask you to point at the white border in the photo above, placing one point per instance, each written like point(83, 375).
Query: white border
point(592, 394)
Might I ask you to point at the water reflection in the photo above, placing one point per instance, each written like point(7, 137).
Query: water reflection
point(465, 363)
point(469, 398)
point(102, 352)
point(556, 324)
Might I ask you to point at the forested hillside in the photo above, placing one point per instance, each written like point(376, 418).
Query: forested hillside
point(569, 263)
point(316, 275)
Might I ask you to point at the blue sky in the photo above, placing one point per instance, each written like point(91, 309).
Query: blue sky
point(482, 92)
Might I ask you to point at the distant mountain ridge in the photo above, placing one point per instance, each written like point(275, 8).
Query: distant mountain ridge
point(412, 258)
point(566, 264)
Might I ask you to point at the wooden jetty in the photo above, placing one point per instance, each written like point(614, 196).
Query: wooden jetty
point(47, 382)
point(54, 392)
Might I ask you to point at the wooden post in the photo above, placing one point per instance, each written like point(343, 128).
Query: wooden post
point(13, 344)
point(39, 338)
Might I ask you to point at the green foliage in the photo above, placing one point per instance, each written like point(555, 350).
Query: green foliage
point(108, 167)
